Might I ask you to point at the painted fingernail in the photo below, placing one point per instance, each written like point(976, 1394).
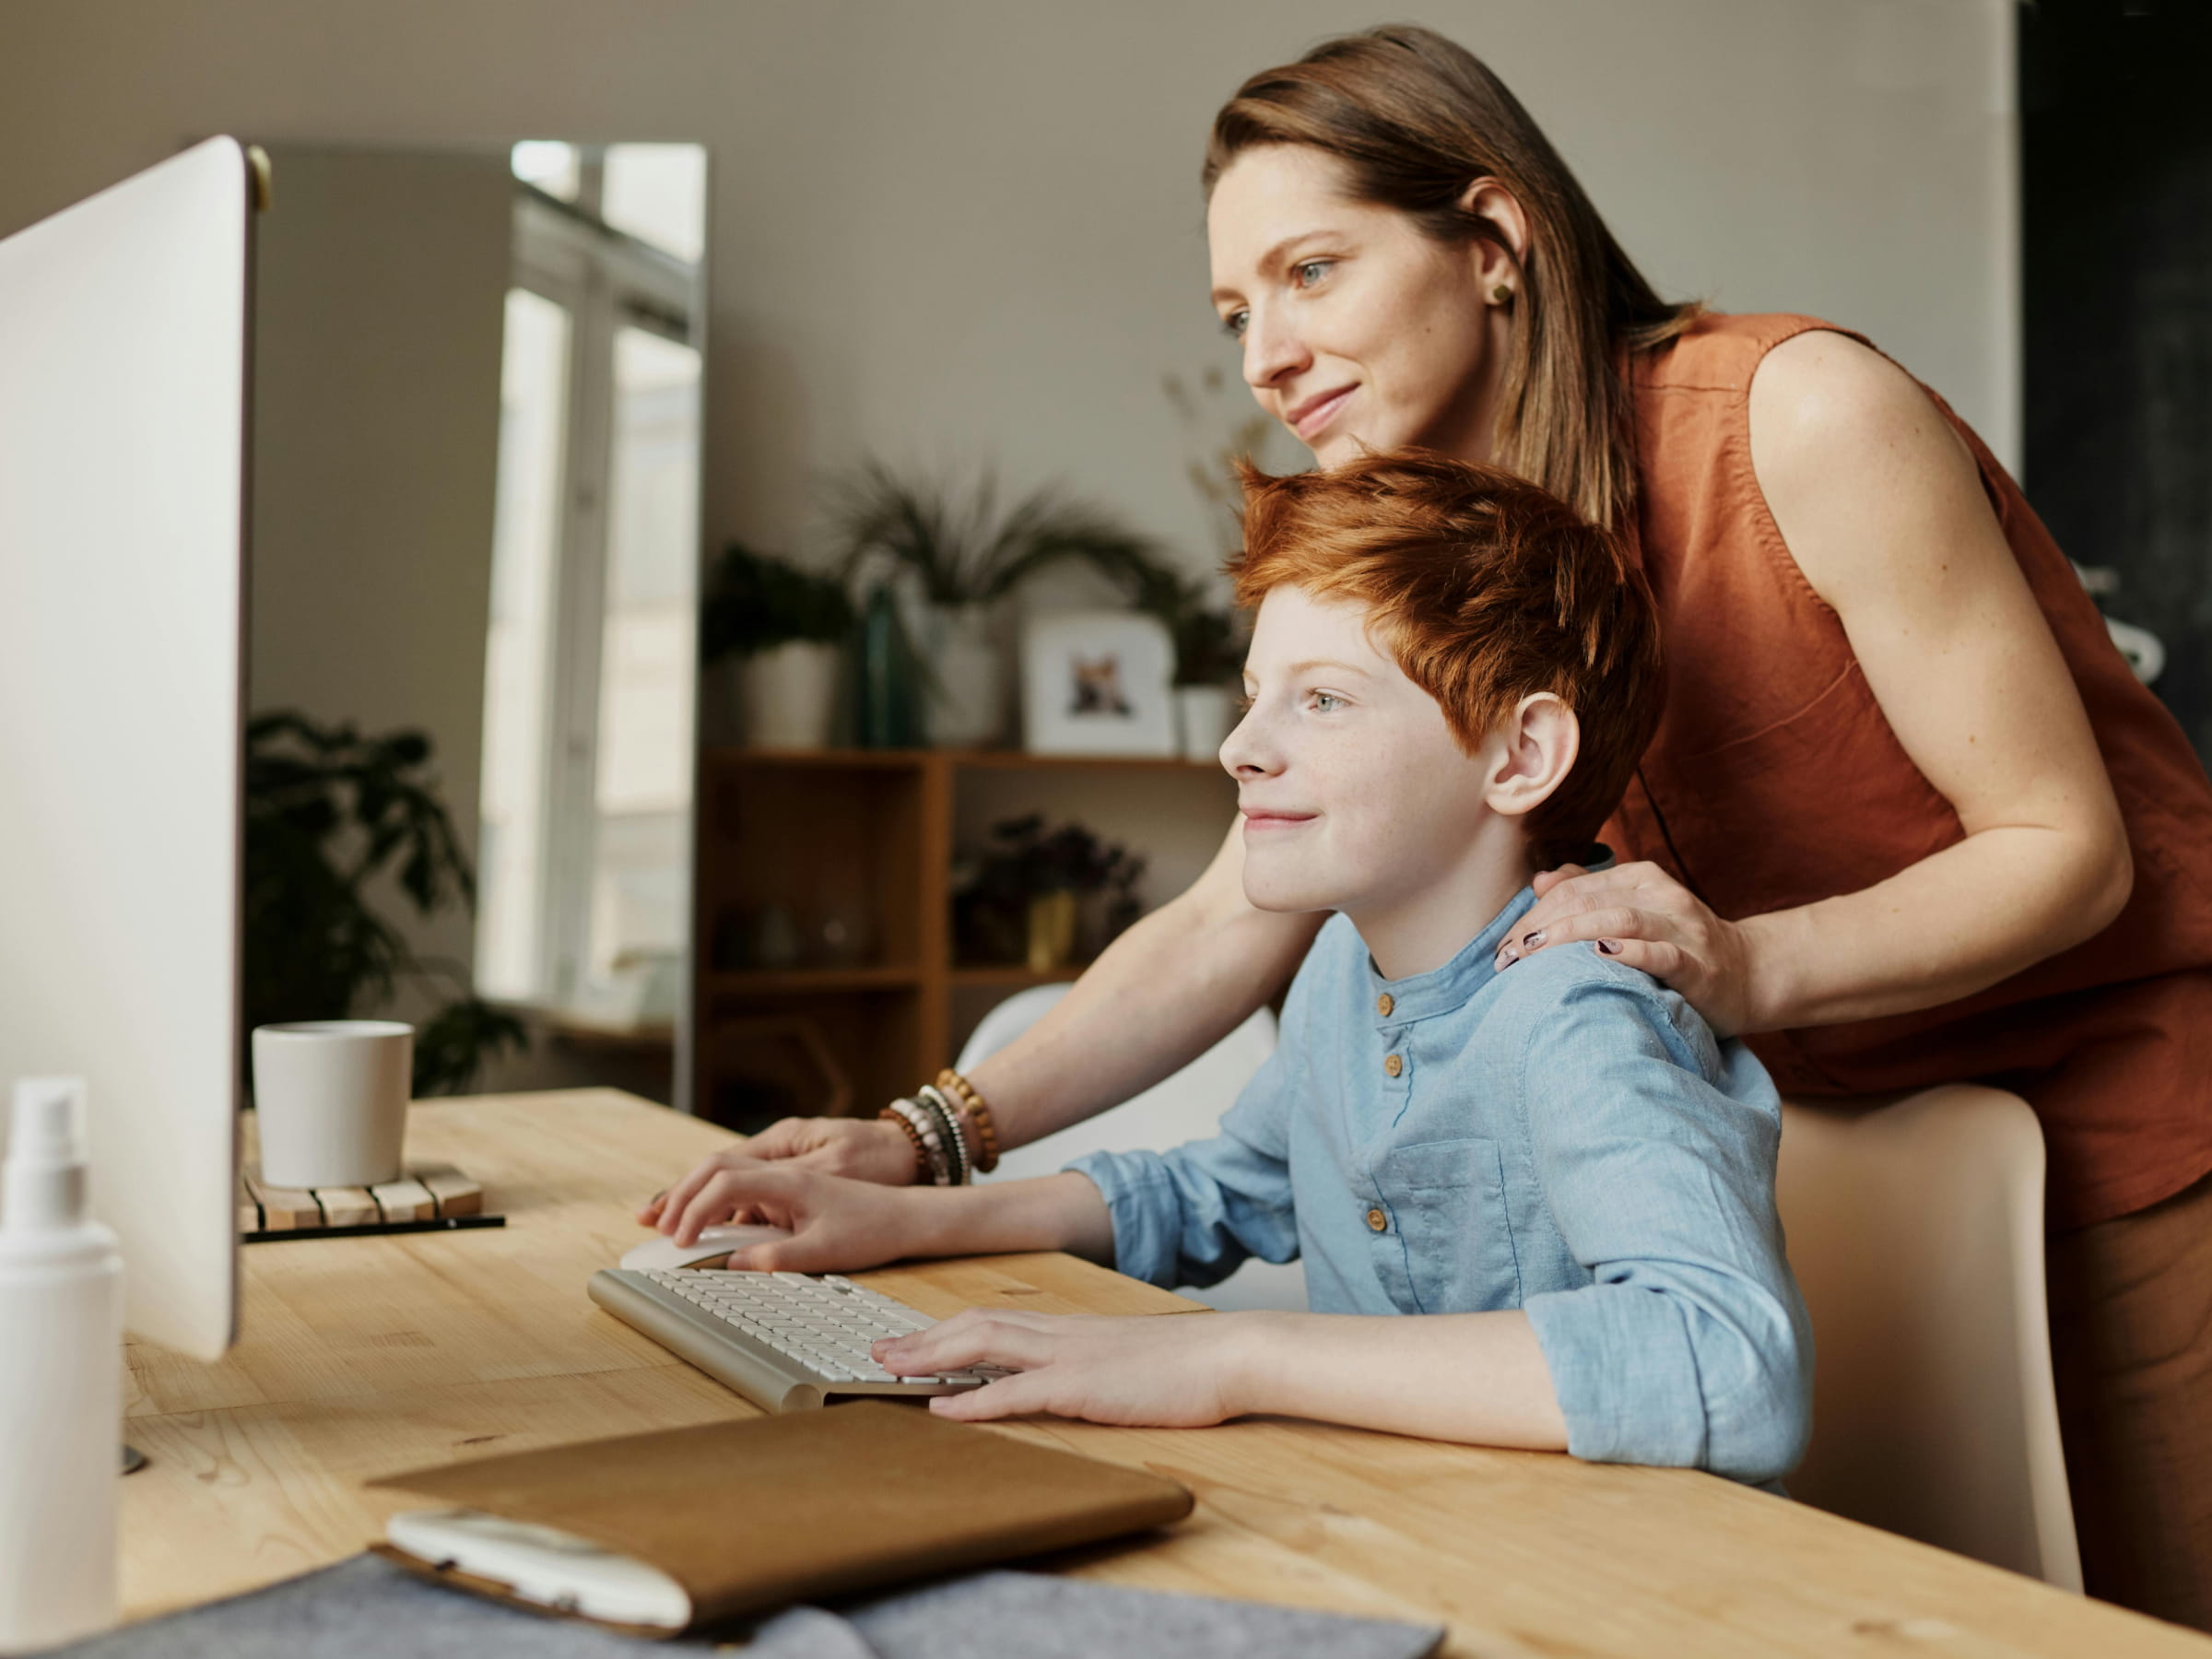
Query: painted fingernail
point(1530, 941)
point(1506, 958)
point(1609, 946)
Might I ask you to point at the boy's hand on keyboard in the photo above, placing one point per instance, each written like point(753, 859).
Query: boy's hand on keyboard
point(1174, 1371)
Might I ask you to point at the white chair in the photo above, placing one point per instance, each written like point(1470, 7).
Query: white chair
point(1916, 1232)
point(1187, 1106)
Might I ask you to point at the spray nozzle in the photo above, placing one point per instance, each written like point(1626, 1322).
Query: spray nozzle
point(49, 1124)
point(43, 1183)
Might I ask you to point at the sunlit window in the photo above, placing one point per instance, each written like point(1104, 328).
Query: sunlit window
point(534, 394)
point(648, 652)
point(554, 167)
point(592, 667)
point(657, 193)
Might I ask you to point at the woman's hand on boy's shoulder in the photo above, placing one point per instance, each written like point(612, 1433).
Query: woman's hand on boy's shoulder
point(1639, 916)
point(1159, 1370)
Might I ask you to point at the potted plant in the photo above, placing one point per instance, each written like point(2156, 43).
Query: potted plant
point(966, 554)
point(784, 630)
point(331, 817)
point(1044, 897)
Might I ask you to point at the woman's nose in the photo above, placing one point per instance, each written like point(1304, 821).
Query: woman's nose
point(1272, 351)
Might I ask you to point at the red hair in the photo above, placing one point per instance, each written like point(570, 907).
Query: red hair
point(1486, 590)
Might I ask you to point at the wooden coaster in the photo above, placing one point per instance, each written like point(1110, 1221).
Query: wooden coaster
point(425, 1197)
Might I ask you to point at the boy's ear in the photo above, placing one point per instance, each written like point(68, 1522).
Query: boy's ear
point(1540, 740)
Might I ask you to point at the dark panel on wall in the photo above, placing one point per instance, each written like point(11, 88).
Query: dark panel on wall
point(2116, 174)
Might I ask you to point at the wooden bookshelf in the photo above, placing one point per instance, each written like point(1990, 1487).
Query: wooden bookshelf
point(854, 848)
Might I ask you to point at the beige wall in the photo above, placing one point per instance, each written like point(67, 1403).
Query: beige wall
point(969, 230)
point(380, 297)
point(971, 227)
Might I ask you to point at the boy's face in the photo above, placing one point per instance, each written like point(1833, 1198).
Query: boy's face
point(1355, 794)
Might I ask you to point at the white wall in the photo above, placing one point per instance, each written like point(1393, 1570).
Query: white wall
point(972, 228)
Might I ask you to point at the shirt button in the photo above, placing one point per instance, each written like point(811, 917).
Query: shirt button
point(1384, 1004)
point(1394, 1063)
point(1377, 1220)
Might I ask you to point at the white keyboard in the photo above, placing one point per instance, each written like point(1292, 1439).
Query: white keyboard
point(786, 1341)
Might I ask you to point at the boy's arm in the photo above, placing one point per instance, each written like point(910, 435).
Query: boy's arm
point(1691, 1346)
point(1478, 1378)
point(1191, 1214)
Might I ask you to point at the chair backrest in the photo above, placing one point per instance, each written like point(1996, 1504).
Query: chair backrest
point(1187, 1106)
point(1916, 1232)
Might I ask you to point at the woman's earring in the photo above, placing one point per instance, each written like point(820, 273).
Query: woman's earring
point(1502, 294)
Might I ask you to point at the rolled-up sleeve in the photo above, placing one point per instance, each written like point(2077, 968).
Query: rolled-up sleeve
point(1691, 1346)
point(1191, 1214)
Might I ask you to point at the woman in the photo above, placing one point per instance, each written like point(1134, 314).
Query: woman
point(1908, 820)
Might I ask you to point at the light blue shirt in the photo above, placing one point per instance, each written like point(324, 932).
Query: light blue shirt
point(1567, 1137)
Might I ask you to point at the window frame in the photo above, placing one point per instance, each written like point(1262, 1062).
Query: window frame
point(605, 280)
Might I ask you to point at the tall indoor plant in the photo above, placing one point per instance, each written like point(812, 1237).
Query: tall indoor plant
point(966, 553)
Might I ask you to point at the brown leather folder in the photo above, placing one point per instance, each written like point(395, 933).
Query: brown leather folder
point(749, 1516)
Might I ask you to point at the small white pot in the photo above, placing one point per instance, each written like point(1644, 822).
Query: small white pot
point(968, 699)
point(332, 1096)
point(1206, 715)
point(790, 695)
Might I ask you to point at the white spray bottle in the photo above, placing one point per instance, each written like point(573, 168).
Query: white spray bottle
point(60, 1379)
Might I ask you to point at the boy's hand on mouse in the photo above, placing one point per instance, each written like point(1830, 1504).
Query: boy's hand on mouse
point(1174, 1370)
point(1639, 915)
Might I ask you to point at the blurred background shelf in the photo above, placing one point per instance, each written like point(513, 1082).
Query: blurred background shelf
point(841, 863)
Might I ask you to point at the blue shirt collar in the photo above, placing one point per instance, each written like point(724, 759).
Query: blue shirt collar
point(1440, 990)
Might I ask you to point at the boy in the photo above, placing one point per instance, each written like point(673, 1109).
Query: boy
point(1450, 678)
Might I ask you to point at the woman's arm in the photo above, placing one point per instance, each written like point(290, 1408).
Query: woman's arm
point(1882, 506)
point(1156, 998)
point(1473, 1377)
point(837, 1225)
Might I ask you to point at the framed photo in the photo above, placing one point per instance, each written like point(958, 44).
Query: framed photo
point(1097, 683)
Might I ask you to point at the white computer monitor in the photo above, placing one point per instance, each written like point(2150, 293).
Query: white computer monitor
point(123, 356)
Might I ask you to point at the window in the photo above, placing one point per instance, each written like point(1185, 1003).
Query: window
point(591, 664)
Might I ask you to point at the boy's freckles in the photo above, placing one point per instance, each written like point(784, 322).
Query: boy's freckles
point(1354, 790)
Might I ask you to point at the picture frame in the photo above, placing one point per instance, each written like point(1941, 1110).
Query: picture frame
point(1097, 683)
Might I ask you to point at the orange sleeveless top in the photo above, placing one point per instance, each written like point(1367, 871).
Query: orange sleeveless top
point(1774, 781)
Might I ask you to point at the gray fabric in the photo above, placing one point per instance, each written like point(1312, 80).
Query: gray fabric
point(1044, 1618)
point(366, 1608)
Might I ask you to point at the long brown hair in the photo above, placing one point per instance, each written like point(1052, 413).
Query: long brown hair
point(1416, 119)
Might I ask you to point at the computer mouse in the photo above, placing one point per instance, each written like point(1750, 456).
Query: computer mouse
point(714, 1243)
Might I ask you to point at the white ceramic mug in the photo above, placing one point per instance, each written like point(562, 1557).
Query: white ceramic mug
point(332, 1096)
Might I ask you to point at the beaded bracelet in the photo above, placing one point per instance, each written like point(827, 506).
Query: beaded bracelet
point(961, 1173)
point(924, 1122)
point(913, 1135)
point(986, 1131)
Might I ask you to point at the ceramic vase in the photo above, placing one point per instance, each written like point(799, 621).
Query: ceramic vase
point(1052, 931)
point(968, 694)
point(790, 695)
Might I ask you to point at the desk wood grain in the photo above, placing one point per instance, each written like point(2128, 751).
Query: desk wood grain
point(363, 1356)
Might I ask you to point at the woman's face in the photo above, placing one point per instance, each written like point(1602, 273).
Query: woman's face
point(1358, 330)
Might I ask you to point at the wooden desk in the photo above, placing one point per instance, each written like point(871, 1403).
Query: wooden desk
point(362, 1356)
